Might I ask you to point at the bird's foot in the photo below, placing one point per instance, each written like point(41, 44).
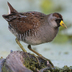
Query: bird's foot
point(29, 47)
point(49, 63)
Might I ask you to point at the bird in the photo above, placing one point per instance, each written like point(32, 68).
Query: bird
point(33, 27)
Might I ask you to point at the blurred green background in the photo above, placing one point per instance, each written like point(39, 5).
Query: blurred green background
point(60, 49)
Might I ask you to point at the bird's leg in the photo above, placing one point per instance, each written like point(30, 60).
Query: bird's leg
point(29, 47)
point(17, 41)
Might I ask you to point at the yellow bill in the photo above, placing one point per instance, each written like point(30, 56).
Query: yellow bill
point(62, 24)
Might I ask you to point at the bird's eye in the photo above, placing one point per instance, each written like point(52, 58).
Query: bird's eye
point(58, 20)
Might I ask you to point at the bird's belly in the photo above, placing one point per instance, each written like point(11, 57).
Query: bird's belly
point(32, 40)
point(39, 38)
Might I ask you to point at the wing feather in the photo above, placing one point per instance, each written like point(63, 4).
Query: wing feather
point(27, 21)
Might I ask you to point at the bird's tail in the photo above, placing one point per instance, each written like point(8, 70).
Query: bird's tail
point(12, 11)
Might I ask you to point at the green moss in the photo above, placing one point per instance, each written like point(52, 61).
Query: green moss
point(66, 69)
point(56, 69)
point(33, 63)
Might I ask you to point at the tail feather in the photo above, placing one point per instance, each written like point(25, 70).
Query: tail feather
point(5, 17)
point(11, 15)
point(11, 9)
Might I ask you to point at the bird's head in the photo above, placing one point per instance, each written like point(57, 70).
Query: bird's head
point(56, 20)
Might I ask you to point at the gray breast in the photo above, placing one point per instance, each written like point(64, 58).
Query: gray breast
point(42, 35)
point(47, 33)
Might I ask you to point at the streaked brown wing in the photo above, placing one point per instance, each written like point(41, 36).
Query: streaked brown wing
point(26, 21)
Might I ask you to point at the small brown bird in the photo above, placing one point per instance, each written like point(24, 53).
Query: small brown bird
point(33, 28)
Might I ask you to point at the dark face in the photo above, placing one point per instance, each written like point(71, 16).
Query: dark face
point(58, 22)
point(58, 18)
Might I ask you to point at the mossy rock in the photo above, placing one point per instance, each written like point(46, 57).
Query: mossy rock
point(19, 61)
